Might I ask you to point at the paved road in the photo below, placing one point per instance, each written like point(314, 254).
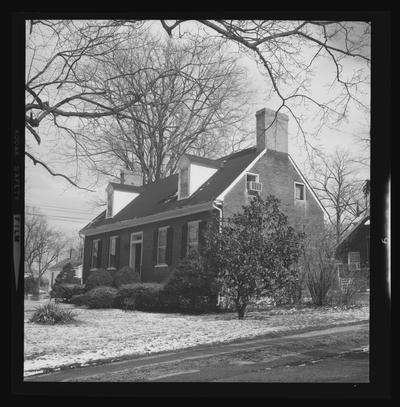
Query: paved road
point(337, 354)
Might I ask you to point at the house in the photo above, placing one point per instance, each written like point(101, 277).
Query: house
point(353, 247)
point(151, 227)
point(53, 271)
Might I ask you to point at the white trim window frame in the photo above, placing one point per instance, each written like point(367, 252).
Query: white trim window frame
point(112, 247)
point(296, 183)
point(192, 245)
point(95, 246)
point(136, 237)
point(252, 174)
point(162, 248)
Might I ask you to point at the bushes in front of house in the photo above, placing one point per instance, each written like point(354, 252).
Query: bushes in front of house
point(99, 278)
point(192, 287)
point(140, 296)
point(125, 275)
point(51, 314)
point(64, 292)
point(99, 297)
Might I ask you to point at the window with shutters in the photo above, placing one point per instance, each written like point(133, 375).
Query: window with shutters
point(193, 237)
point(162, 246)
point(112, 254)
point(95, 253)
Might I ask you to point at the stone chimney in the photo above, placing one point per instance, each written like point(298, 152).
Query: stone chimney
point(274, 137)
point(131, 178)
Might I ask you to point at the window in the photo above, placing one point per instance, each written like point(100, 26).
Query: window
point(299, 191)
point(184, 182)
point(253, 184)
point(112, 255)
point(353, 259)
point(109, 203)
point(136, 249)
point(95, 253)
point(193, 236)
point(162, 245)
point(252, 177)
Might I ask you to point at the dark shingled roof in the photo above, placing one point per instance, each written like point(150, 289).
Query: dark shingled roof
point(161, 196)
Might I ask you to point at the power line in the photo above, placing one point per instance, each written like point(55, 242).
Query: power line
point(60, 208)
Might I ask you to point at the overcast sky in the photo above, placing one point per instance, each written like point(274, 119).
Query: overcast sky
point(69, 209)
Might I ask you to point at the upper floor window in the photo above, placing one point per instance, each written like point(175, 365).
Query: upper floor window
point(162, 245)
point(193, 237)
point(109, 203)
point(184, 182)
point(253, 184)
point(299, 190)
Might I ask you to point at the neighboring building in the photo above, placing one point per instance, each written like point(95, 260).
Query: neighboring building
point(53, 271)
point(353, 247)
point(151, 227)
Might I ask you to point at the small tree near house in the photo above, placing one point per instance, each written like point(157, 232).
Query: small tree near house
point(254, 252)
point(66, 275)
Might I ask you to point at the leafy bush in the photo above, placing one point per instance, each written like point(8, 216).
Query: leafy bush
point(192, 286)
point(64, 292)
point(125, 275)
point(98, 278)
point(100, 297)
point(79, 299)
point(140, 296)
point(51, 314)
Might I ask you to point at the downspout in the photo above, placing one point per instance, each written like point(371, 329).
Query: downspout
point(219, 209)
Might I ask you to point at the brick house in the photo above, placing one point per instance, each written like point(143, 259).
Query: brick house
point(151, 227)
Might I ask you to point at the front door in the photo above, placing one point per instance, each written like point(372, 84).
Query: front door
point(135, 261)
point(138, 257)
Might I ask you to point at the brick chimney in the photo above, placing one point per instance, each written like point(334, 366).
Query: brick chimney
point(131, 178)
point(276, 136)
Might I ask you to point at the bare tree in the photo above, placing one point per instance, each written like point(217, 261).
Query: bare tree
point(58, 92)
point(193, 91)
point(42, 244)
point(342, 193)
point(62, 95)
point(289, 51)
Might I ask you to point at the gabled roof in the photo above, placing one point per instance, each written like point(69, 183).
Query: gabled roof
point(161, 196)
point(359, 222)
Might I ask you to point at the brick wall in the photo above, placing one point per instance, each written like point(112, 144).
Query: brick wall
point(149, 272)
point(277, 175)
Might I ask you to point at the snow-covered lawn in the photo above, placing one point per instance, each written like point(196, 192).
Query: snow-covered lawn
point(112, 333)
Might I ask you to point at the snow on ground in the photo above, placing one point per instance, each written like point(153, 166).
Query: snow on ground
point(112, 333)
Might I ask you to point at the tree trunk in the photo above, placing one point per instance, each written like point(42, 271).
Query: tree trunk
point(241, 309)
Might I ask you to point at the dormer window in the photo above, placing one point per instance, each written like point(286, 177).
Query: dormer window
point(109, 202)
point(184, 182)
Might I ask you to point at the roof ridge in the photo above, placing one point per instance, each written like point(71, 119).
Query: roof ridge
point(237, 153)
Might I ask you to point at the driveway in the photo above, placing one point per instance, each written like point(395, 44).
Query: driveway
point(337, 354)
